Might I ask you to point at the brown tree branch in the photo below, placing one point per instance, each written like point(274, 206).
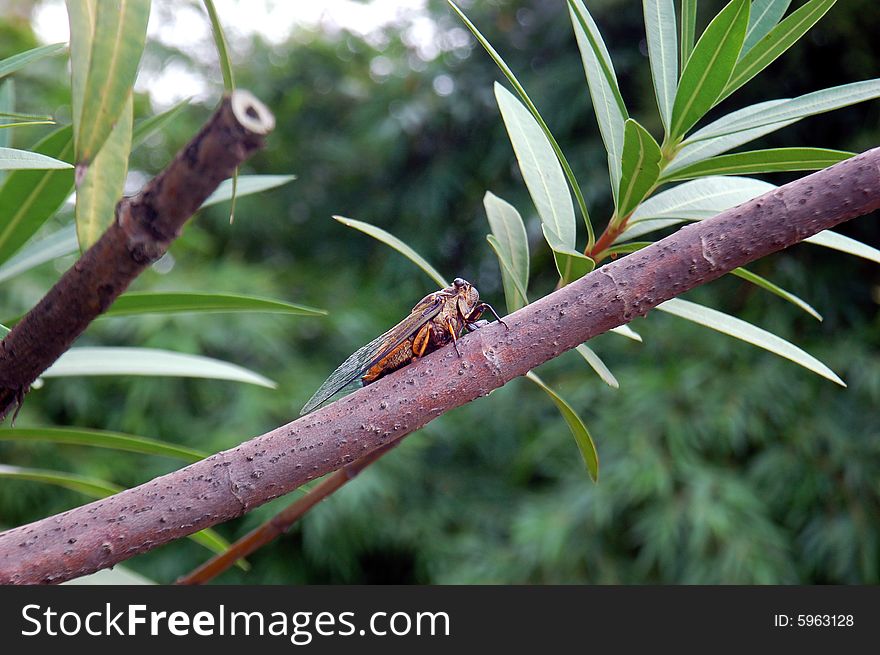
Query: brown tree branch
point(282, 521)
point(230, 483)
point(144, 227)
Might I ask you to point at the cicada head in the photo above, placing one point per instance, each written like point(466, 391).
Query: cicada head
point(468, 297)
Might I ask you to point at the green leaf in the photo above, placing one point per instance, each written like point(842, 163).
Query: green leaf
point(167, 302)
point(836, 241)
point(118, 575)
point(540, 170)
point(101, 187)
point(29, 198)
point(703, 149)
point(747, 332)
point(605, 92)
point(92, 487)
point(572, 265)
point(222, 49)
point(626, 331)
point(147, 127)
point(516, 297)
point(608, 103)
point(115, 48)
point(102, 439)
point(662, 53)
point(511, 247)
point(247, 185)
point(777, 41)
point(688, 30)
point(397, 244)
point(81, 15)
point(12, 159)
point(764, 16)
point(520, 90)
point(576, 425)
point(97, 488)
point(773, 160)
point(17, 61)
point(640, 167)
point(598, 365)
point(59, 243)
point(709, 67)
point(149, 361)
point(779, 291)
point(7, 106)
point(702, 198)
point(790, 110)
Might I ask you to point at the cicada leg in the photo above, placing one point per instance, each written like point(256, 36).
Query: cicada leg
point(421, 340)
point(478, 311)
point(454, 334)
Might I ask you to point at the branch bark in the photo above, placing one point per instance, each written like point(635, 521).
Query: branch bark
point(143, 229)
point(230, 483)
point(282, 521)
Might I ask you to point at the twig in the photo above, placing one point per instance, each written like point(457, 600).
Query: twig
point(282, 521)
point(230, 483)
point(144, 227)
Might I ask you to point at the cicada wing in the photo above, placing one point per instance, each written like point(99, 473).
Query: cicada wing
point(365, 357)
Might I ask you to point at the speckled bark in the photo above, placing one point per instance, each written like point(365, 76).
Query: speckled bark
point(230, 483)
point(145, 226)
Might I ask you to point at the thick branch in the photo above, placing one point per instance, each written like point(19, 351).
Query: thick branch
point(282, 521)
point(232, 482)
point(144, 227)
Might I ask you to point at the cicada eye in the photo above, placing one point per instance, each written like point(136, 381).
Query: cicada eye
point(459, 283)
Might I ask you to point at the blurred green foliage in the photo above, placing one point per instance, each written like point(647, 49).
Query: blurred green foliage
point(720, 463)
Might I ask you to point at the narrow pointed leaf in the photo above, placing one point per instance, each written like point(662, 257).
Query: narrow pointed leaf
point(540, 169)
point(81, 16)
point(103, 439)
point(701, 198)
point(764, 16)
point(572, 265)
point(640, 167)
point(646, 226)
point(699, 150)
point(747, 332)
point(29, 198)
point(775, 289)
point(761, 161)
point(524, 96)
point(790, 110)
point(166, 302)
point(18, 61)
point(778, 40)
point(97, 488)
point(116, 47)
point(688, 30)
point(515, 295)
point(576, 425)
point(709, 66)
point(147, 127)
point(391, 240)
point(626, 331)
point(662, 53)
point(7, 107)
point(59, 243)
point(149, 361)
point(246, 185)
point(836, 241)
point(512, 249)
point(101, 187)
point(598, 365)
point(12, 159)
point(604, 91)
point(222, 49)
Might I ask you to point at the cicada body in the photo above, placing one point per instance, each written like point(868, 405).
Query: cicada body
point(437, 319)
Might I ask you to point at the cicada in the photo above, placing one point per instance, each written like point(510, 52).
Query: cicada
point(437, 319)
